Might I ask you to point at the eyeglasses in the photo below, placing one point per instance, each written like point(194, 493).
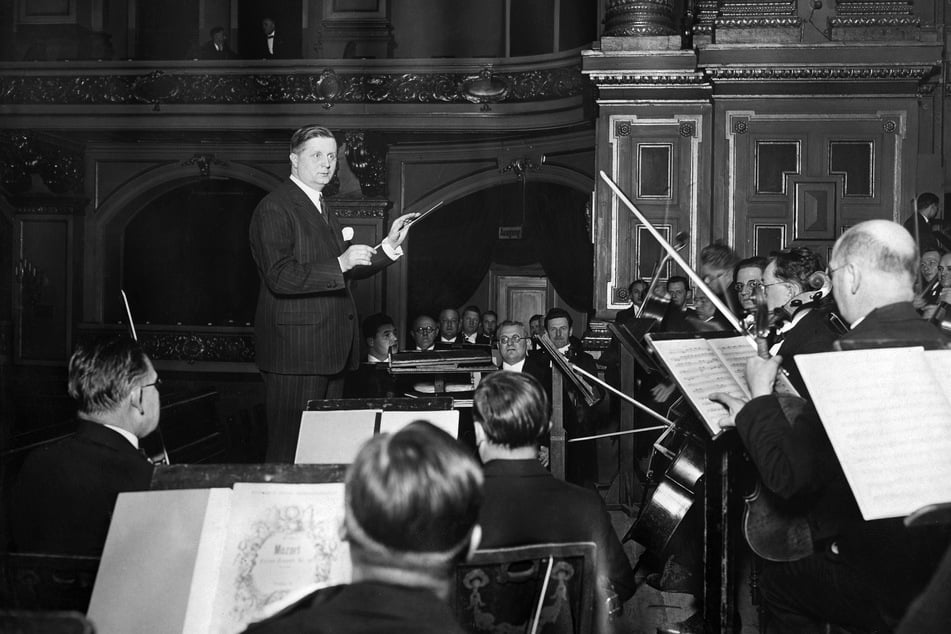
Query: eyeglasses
point(156, 384)
point(765, 286)
point(513, 339)
point(750, 286)
point(831, 271)
point(425, 330)
point(942, 269)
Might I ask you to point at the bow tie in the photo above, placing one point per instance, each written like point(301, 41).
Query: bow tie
point(270, 37)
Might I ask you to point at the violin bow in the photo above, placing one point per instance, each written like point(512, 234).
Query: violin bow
point(675, 256)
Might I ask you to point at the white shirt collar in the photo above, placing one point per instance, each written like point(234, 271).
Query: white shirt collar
point(125, 433)
point(471, 338)
point(444, 340)
point(314, 195)
point(564, 351)
point(517, 367)
point(372, 359)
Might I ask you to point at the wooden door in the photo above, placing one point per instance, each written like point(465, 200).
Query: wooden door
point(518, 297)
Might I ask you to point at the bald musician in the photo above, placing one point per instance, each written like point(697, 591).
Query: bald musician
point(862, 574)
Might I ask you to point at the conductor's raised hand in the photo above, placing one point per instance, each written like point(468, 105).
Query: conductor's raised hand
point(356, 255)
point(399, 229)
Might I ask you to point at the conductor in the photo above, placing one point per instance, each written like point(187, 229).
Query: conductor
point(306, 325)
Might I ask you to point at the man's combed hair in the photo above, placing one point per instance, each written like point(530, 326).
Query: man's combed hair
point(757, 261)
point(797, 264)
point(415, 491)
point(104, 371)
point(373, 323)
point(859, 245)
point(308, 132)
point(557, 313)
point(512, 408)
point(927, 199)
point(511, 322)
point(718, 255)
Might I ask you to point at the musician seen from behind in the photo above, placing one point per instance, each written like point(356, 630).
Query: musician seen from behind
point(861, 574)
point(64, 496)
point(525, 504)
point(412, 501)
point(798, 297)
point(943, 294)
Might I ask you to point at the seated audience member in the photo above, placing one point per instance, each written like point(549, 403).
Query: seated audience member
point(791, 279)
point(487, 327)
point(371, 379)
point(471, 316)
point(269, 45)
point(63, 499)
point(216, 47)
point(928, 284)
point(424, 333)
point(863, 574)
point(412, 501)
point(524, 504)
point(748, 275)
point(449, 327)
point(717, 262)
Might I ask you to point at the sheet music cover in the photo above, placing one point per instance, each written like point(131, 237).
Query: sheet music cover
point(281, 537)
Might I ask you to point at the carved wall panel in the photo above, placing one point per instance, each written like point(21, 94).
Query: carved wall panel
point(802, 178)
point(656, 161)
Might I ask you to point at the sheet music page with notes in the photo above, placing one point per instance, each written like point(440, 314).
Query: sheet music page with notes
point(699, 372)
point(887, 413)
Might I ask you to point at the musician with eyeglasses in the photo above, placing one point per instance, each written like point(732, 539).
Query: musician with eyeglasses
point(798, 296)
point(747, 275)
point(63, 499)
point(424, 333)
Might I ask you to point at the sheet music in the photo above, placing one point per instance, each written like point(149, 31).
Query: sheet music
point(735, 352)
point(888, 416)
point(699, 371)
point(282, 537)
point(940, 361)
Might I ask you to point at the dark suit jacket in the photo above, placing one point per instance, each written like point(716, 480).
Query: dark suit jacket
point(926, 238)
point(524, 504)
point(810, 335)
point(65, 493)
point(796, 461)
point(208, 51)
point(365, 607)
point(260, 50)
point(306, 320)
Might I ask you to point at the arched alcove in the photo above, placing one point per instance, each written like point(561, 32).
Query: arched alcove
point(454, 249)
point(185, 258)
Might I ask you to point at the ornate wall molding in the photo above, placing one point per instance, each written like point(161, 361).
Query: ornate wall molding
point(773, 73)
point(25, 153)
point(191, 345)
point(638, 17)
point(160, 87)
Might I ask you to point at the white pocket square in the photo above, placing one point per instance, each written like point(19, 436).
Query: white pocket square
point(347, 234)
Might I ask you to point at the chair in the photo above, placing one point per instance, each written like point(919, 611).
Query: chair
point(23, 622)
point(498, 590)
point(35, 581)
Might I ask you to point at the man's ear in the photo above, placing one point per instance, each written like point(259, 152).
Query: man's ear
point(855, 277)
point(475, 538)
point(342, 530)
point(293, 158)
point(370, 343)
point(479, 433)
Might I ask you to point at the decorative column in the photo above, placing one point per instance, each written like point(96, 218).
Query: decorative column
point(638, 25)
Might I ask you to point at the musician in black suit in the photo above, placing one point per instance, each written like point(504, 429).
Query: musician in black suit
point(372, 379)
point(919, 225)
point(862, 574)
point(306, 326)
point(524, 504)
point(488, 324)
point(797, 295)
point(63, 499)
point(449, 334)
point(412, 501)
